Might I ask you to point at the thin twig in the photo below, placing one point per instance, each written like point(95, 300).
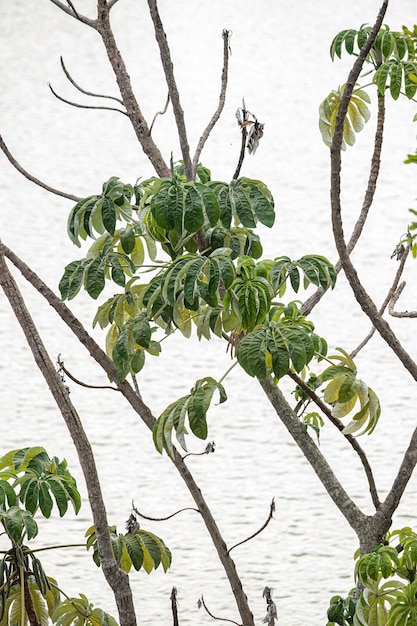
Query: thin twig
point(242, 153)
point(226, 34)
point(32, 178)
point(164, 110)
point(84, 91)
point(210, 447)
point(62, 368)
point(84, 106)
point(353, 442)
point(201, 603)
point(386, 302)
point(73, 13)
point(163, 519)
point(394, 301)
point(73, 9)
point(270, 516)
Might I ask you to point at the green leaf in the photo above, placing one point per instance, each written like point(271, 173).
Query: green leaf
point(241, 204)
point(108, 215)
point(127, 239)
point(16, 521)
point(45, 500)
point(193, 215)
point(251, 353)
point(94, 278)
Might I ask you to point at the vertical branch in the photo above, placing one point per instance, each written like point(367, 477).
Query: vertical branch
point(116, 578)
point(129, 100)
point(172, 86)
point(222, 100)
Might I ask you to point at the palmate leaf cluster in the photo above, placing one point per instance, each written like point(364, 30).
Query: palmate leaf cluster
point(394, 67)
point(388, 577)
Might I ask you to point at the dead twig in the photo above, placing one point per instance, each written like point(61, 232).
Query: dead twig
point(210, 447)
point(84, 106)
point(174, 606)
point(62, 369)
point(201, 603)
point(162, 519)
point(270, 516)
point(70, 10)
point(84, 91)
point(32, 178)
point(271, 609)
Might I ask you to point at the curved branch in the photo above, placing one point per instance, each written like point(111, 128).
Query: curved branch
point(315, 298)
point(318, 462)
point(26, 174)
point(84, 106)
point(172, 86)
point(164, 519)
point(226, 34)
point(201, 603)
point(361, 295)
point(73, 13)
point(87, 93)
point(258, 532)
point(352, 440)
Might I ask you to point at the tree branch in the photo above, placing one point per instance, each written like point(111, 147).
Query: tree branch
point(393, 302)
point(201, 603)
point(84, 91)
point(116, 578)
point(26, 174)
point(84, 106)
point(388, 300)
point(352, 440)
point(255, 534)
point(226, 34)
point(403, 476)
point(172, 86)
point(318, 462)
point(361, 295)
point(73, 13)
point(128, 97)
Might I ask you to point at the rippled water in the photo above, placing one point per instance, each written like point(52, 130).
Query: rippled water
point(280, 64)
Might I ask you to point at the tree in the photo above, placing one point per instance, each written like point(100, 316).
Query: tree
point(212, 275)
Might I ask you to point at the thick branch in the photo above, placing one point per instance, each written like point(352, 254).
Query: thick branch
point(172, 86)
point(129, 100)
point(116, 578)
point(222, 100)
point(318, 462)
point(26, 174)
point(361, 295)
point(146, 415)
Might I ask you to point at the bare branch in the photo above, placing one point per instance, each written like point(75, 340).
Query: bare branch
point(87, 93)
point(164, 110)
point(174, 606)
point(172, 86)
point(26, 174)
point(386, 302)
point(163, 519)
point(394, 302)
point(210, 447)
point(352, 440)
point(201, 603)
point(270, 516)
point(111, 3)
point(70, 10)
point(403, 476)
point(226, 34)
point(62, 370)
point(84, 106)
